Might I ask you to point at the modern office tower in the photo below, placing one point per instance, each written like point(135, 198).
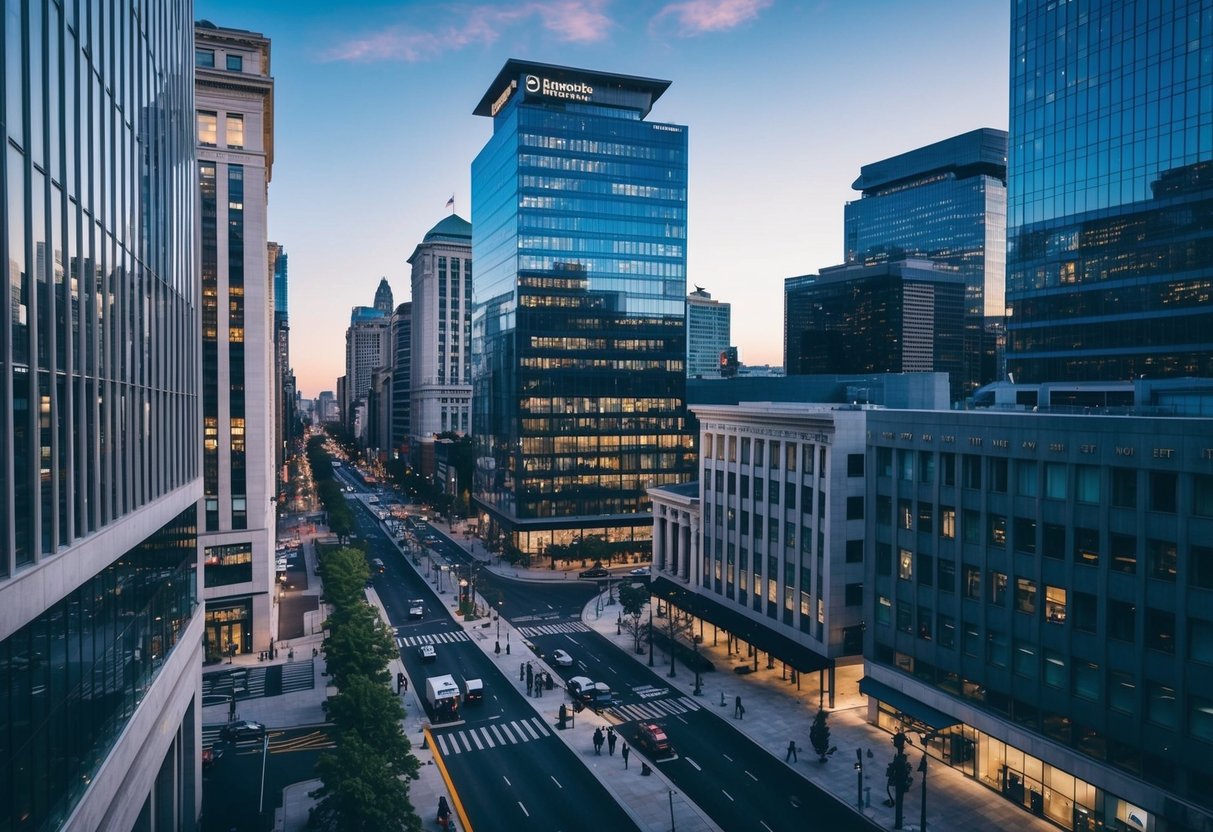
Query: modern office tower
point(1042, 597)
point(234, 96)
point(379, 410)
point(946, 202)
point(383, 298)
point(775, 557)
point(1110, 188)
point(326, 407)
point(440, 381)
point(892, 317)
point(708, 333)
point(367, 347)
point(579, 330)
point(286, 418)
point(402, 364)
point(100, 623)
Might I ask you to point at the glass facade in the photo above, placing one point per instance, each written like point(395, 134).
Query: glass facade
point(71, 678)
point(1110, 190)
point(579, 333)
point(946, 202)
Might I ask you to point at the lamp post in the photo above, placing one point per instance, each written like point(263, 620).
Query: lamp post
point(500, 601)
point(650, 635)
point(922, 817)
point(463, 592)
point(859, 779)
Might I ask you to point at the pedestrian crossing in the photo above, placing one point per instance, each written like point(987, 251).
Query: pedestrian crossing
point(553, 629)
point(655, 709)
point(298, 676)
point(492, 735)
point(244, 683)
point(432, 638)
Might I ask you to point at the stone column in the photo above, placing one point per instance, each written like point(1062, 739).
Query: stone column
point(659, 554)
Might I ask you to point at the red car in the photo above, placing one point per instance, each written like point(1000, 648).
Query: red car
point(652, 738)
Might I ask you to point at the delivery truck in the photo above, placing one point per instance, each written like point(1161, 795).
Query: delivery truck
point(443, 695)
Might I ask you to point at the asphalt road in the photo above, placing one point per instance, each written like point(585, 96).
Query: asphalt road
point(509, 769)
point(231, 788)
point(736, 783)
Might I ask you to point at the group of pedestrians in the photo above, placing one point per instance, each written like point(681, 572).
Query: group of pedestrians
point(536, 681)
point(610, 738)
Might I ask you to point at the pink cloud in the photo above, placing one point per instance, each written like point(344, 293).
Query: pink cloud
point(572, 21)
point(697, 17)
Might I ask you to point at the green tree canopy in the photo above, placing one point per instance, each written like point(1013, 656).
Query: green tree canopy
point(362, 791)
point(373, 712)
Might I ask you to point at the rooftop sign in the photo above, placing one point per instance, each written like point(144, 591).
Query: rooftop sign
point(567, 90)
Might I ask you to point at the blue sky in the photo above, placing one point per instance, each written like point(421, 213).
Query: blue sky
point(784, 100)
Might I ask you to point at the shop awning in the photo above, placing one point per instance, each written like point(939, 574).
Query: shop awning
point(784, 649)
point(906, 704)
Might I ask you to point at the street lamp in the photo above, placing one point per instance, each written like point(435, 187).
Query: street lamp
point(500, 601)
point(922, 817)
point(650, 635)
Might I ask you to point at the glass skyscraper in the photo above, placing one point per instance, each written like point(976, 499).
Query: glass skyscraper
point(1110, 190)
point(946, 202)
point(579, 333)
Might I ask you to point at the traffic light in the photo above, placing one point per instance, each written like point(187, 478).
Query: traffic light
point(399, 681)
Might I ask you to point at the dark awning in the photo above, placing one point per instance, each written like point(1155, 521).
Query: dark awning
point(784, 649)
point(906, 704)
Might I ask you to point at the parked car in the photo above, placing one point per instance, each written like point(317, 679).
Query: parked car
point(577, 685)
point(652, 738)
point(639, 570)
point(242, 729)
point(596, 572)
point(416, 608)
point(562, 659)
point(427, 652)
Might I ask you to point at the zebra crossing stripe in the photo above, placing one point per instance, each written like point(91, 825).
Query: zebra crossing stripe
point(464, 739)
point(691, 704)
point(497, 730)
point(543, 729)
point(442, 743)
point(529, 730)
point(476, 739)
point(488, 737)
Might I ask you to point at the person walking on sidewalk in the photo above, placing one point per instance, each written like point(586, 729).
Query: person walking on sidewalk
point(611, 738)
point(737, 708)
point(598, 741)
point(791, 755)
point(741, 711)
point(625, 752)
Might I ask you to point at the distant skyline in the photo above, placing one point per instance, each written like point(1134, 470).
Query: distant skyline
point(785, 101)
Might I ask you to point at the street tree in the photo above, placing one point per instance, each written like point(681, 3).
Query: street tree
point(370, 710)
point(674, 629)
point(819, 736)
point(633, 598)
point(358, 644)
point(345, 575)
point(361, 792)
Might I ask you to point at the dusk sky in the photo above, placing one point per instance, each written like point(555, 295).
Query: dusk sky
point(785, 101)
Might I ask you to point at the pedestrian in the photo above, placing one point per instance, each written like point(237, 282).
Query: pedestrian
point(737, 708)
point(528, 687)
point(611, 739)
point(626, 752)
point(404, 683)
point(521, 672)
point(791, 755)
point(597, 740)
point(741, 712)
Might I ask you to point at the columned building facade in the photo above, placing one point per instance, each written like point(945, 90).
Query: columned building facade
point(101, 626)
point(237, 520)
point(441, 381)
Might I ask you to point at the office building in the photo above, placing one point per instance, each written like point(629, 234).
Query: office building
point(441, 376)
point(897, 316)
point(402, 369)
point(101, 629)
point(579, 330)
point(237, 524)
point(286, 417)
point(1041, 597)
point(708, 334)
point(947, 203)
point(368, 347)
point(1110, 188)
point(383, 298)
point(379, 411)
point(326, 407)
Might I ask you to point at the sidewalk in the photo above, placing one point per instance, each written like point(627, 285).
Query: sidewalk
point(954, 802)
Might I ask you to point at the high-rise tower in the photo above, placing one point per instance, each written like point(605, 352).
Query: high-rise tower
point(579, 331)
point(1110, 191)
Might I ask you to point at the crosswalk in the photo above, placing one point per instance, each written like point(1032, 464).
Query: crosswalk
point(553, 629)
point(432, 638)
point(298, 676)
point(245, 683)
point(655, 709)
point(493, 735)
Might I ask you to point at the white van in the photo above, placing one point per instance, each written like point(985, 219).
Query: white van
point(473, 690)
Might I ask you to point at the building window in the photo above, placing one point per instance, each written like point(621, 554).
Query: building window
point(1055, 669)
point(1123, 549)
point(1085, 615)
point(1025, 479)
point(884, 610)
point(1124, 487)
point(1086, 546)
point(1025, 595)
point(905, 465)
point(1055, 604)
point(998, 588)
point(224, 565)
point(1160, 705)
point(998, 648)
point(926, 467)
point(947, 575)
point(1053, 541)
point(971, 476)
point(972, 582)
point(946, 627)
point(854, 465)
point(208, 128)
point(972, 526)
point(1200, 566)
point(926, 518)
point(1086, 680)
point(947, 522)
point(1122, 692)
point(1055, 480)
point(998, 530)
point(998, 475)
point(1122, 620)
point(235, 63)
point(1200, 717)
point(924, 624)
point(235, 131)
point(1027, 662)
point(854, 508)
point(854, 551)
point(1160, 630)
point(1024, 529)
point(884, 462)
point(1202, 495)
point(1164, 559)
point(1086, 484)
point(905, 564)
point(1162, 491)
point(204, 58)
point(947, 468)
point(853, 595)
point(1200, 640)
point(745, 450)
point(905, 514)
point(905, 617)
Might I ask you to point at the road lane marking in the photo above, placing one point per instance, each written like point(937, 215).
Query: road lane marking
point(693, 763)
point(523, 808)
point(463, 737)
point(442, 743)
point(554, 780)
point(529, 729)
point(507, 781)
point(726, 794)
point(570, 638)
point(752, 777)
point(727, 757)
point(680, 719)
point(764, 826)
